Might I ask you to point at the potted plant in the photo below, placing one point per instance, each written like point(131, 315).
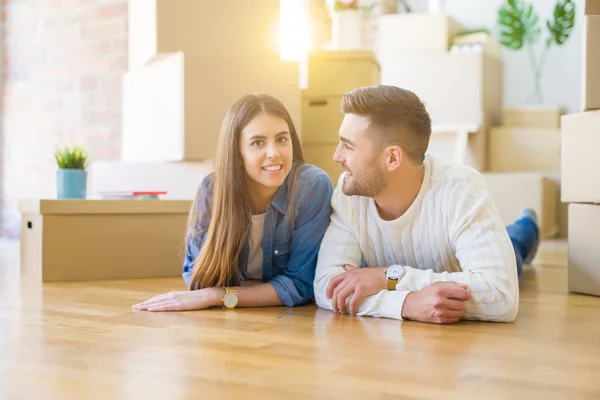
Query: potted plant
point(519, 28)
point(71, 176)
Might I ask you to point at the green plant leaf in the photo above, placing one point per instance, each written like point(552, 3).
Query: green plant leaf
point(74, 157)
point(518, 24)
point(562, 23)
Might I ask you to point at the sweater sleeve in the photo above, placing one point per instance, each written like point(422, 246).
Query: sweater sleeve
point(339, 247)
point(484, 250)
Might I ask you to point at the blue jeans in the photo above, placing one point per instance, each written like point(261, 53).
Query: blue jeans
point(524, 235)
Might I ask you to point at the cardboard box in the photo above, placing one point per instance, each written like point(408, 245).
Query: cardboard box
point(524, 149)
point(592, 7)
point(72, 240)
point(321, 119)
point(580, 163)
point(584, 252)
point(563, 208)
point(513, 191)
point(321, 155)
point(459, 144)
point(590, 98)
point(476, 42)
point(414, 33)
point(552, 253)
point(229, 28)
point(180, 180)
point(532, 117)
point(173, 107)
point(456, 88)
point(332, 73)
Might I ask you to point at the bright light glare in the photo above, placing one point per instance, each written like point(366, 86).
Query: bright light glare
point(294, 32)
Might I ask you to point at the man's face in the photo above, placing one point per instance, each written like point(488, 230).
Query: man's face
point(360, 157)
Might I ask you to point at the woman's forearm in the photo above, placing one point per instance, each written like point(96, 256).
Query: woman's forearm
point(252, 282)
point(260, 295)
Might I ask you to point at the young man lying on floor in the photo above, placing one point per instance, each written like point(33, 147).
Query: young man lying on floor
point(432, 242)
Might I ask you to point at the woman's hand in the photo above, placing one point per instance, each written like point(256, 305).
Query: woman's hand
point(184, 300)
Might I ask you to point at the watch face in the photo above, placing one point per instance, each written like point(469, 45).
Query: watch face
point(230, 300)
point(394, 272)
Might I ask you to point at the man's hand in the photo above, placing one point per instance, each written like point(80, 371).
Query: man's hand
point(183, 300)
point(440, 303)
point(360, 282)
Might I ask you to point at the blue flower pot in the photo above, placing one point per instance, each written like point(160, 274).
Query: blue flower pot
point(71, 183)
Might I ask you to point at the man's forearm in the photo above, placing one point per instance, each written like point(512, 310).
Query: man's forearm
point(494, 297)
point(385, 304)
point(363, 291)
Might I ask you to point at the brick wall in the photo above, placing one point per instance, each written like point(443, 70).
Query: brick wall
point(62, 63)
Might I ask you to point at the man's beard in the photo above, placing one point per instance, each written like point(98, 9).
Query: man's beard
point(368, 183)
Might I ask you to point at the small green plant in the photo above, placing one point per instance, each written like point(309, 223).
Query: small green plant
point(348, 5)
point(73, 157)
point(519, 27)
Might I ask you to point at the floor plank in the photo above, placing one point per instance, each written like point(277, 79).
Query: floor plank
point(81, 340)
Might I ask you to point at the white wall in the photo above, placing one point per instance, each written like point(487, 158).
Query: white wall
point(561, 79)
point(2, 147)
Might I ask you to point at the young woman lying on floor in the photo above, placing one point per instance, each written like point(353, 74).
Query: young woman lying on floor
point(257, 222)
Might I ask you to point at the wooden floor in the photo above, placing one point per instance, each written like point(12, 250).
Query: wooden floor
point(82, 341)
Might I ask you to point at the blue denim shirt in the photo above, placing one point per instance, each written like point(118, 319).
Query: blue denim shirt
point(289, 255)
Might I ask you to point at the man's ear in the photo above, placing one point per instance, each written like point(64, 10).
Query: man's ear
point(393, 157)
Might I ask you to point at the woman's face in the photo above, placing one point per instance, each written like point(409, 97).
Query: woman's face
point(266, 148)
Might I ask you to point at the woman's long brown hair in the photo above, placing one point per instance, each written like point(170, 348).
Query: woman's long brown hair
point(231, 209)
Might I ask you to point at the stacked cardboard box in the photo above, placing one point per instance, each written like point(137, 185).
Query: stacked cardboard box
point(186, 69)
point(209, 28)
point(581, 190)
point(514, 191)
point(189, 67)
point(580, 135)
point(528, 140)
point(590, 98)
point(181, 180)
point(329, 75)
point(460, 79)
point(416, 33)
point(524, 166)
point(580, 169)
point(460, 84)
point(173, 107)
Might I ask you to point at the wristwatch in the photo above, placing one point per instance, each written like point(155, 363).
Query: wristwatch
point(230, 300)
point(393, 274)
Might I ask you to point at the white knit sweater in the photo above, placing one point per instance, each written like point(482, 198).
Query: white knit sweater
point(452, 232)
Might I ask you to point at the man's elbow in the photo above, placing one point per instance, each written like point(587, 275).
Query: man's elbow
point(321, 295)
point(322, 301)
point(507, 303)
point(504, 309)
point(510, 306)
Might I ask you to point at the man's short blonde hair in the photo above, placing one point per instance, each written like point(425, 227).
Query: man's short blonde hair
point(396, 116)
